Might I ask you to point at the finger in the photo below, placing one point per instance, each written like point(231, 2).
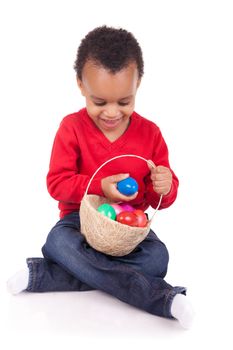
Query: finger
point(118, 177)
point(162, 189)
point(160, 184)
point(161, 177)
point(130, 198)
point(162, 169)
point(121, 197)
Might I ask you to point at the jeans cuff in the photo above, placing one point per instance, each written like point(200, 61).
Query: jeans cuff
point(33, 264)
point(172, 293)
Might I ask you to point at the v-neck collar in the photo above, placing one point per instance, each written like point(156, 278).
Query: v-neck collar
point(111, 145)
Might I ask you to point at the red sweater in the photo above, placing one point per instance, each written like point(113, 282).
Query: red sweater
point(80, 148)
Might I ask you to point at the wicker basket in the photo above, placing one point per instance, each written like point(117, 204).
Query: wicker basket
point(106, 235)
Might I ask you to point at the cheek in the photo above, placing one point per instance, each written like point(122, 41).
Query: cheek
point(129, 109)
point(92, 110)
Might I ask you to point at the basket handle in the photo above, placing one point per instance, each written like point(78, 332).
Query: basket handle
point(121, 156)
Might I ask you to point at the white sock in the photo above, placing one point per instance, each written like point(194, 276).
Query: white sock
point(182, 310)
point(18, 282)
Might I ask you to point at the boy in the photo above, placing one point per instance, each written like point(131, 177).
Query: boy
point(109, 68)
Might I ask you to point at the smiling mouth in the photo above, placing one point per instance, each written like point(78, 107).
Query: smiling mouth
point(110, 122)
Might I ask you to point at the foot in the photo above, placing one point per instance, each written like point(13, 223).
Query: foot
point(182, 310)
point(18, 282)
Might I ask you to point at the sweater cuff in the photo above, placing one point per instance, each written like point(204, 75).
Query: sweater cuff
point(169, 198)
point(95, 187)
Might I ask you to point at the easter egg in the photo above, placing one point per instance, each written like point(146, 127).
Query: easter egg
point(127, 186)
point(118, 208)
point(127, 218)
point(141, 217)
point(107, 210)
point(126, 207)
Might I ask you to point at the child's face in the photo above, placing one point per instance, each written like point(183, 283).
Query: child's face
point(110, 98)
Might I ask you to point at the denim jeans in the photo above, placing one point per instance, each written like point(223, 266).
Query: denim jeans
point(70, 264)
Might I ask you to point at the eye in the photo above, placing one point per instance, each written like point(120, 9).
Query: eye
point(99, 103)
point(123, 103)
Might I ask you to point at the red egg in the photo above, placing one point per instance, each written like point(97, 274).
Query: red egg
point(127, 218)
point(141, 217)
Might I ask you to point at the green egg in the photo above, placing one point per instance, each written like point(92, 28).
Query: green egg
point(107, 210)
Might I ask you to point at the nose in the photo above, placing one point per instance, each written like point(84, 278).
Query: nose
point(111, 111)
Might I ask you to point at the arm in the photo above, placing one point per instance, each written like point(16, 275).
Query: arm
point(64, 182)
point(161, 180)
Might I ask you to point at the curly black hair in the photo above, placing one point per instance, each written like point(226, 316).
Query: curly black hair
point(110, 48)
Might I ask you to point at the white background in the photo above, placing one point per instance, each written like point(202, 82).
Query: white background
point(187, 90)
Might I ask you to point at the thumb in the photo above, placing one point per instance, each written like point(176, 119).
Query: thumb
point(119, 177)
point(151, 164)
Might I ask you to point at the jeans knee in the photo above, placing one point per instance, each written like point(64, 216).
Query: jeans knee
point(54, 242)
point(62, 241)
point(164, 259)
point(157, 261)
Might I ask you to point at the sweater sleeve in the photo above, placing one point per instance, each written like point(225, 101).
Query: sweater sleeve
point(161, 157)
point(64, 182)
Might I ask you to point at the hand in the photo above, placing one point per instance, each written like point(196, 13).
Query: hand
point(161, 178)
point(109, 188)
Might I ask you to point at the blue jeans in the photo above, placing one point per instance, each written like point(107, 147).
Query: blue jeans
point(70, 264)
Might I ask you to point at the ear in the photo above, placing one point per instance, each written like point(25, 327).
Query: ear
point(80, 85)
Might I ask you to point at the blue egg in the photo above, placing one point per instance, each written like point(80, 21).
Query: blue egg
point(127, 186)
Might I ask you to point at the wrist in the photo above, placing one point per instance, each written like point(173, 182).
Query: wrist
point(96, 187)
